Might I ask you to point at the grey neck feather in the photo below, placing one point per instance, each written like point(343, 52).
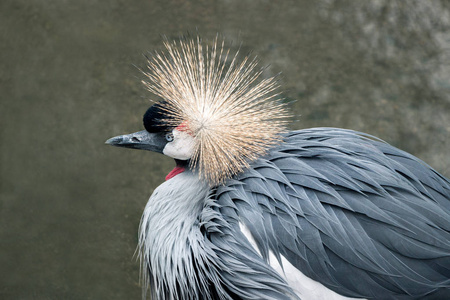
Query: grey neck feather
point(172, 248)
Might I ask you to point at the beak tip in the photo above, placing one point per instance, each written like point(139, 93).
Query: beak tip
point(114, 141)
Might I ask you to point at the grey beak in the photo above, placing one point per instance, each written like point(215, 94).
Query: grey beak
point(139, 140)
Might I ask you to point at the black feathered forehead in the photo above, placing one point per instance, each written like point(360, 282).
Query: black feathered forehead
point(155, 118)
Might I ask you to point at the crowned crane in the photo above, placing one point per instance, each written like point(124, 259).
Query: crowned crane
point(254, 211)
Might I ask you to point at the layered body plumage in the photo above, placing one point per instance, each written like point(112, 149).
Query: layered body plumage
point(319, 213)
point(354, 214)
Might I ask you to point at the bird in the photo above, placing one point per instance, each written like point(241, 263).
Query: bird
point(253, 210)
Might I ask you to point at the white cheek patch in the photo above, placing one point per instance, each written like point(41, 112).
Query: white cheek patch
point(182, 146)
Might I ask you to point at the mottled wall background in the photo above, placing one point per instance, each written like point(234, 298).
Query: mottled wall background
point(70, 206)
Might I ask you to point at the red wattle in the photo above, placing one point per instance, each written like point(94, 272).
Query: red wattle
point(177, 170)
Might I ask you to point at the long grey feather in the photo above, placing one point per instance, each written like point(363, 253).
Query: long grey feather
point(348, 210)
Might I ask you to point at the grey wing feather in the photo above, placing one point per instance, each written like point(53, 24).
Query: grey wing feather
point(244, 274)
point(350, 211)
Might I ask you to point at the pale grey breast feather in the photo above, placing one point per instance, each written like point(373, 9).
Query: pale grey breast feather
point(174, 257)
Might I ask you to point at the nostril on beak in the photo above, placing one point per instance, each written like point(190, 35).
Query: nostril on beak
point(135, 139)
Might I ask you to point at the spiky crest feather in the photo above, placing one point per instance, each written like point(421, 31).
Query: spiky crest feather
point(234, 114)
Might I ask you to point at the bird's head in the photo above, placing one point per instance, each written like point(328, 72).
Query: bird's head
point(217, 113)
point(174, 141)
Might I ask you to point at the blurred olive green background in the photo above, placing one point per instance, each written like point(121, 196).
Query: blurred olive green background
point(70, 205)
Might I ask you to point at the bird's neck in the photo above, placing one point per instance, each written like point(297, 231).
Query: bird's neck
point(170, 233)
point(181, 166)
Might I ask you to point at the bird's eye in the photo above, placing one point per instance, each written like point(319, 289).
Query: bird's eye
point(169, 136)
